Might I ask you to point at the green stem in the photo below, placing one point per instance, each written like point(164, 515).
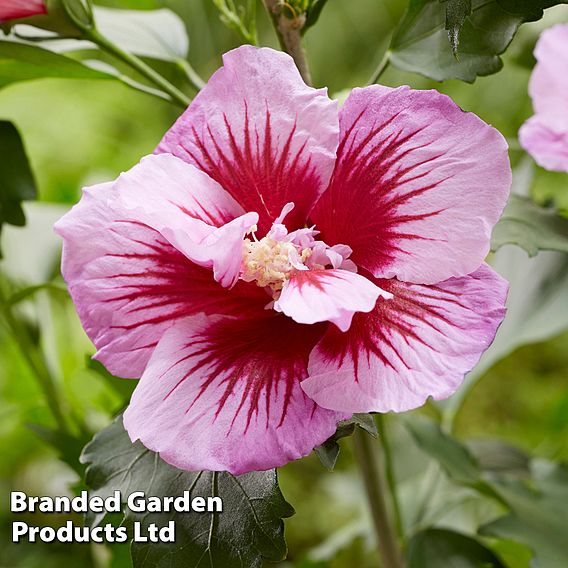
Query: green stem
point(194, 79)
point(381, 68)
point(390, 476)
point(368, 457)
point(37, 364)
point(136, 63)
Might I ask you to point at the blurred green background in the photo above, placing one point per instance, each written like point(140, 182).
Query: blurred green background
point(82, 132)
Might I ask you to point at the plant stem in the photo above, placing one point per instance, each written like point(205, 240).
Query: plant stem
point(289, 32)
point(136, 63)
point(37, 364)
point(381, 68)
point(390, 476)
point(368, 458)
point(194, 79)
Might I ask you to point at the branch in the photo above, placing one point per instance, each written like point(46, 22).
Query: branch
point(367, 457)
point(289, 31)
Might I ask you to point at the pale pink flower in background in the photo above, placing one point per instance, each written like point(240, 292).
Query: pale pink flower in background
point(545, 135)
point(278, 265)
point(15, 9)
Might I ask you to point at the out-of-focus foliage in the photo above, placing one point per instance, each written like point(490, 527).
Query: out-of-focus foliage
point(531, 227)
point(26, 62)
point(433, 547)
point(85, 131)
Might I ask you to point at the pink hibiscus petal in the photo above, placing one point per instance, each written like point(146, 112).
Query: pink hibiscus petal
point(224, 394)
point(14, 9)
point(545, 135)
point(549, 81)
point(190, 210)
point(312, 296)
point(130, 284)
point(259, 131)
point(222, 250)
point(417, 187)
point(547, 145)
point(420, 344)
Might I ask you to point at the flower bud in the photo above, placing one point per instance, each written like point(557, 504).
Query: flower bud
point(16, 9)
point(294, 9)
point(64, 17)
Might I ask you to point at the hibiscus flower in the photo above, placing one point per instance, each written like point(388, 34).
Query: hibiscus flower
point(14, 9)
point(545, 135)
point(278, 265)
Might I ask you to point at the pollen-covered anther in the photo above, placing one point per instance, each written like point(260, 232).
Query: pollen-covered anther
point(270, 263)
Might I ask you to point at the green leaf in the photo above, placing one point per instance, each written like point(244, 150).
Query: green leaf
point(531, 227)
point(367, 423)
point(249, 529)
point(22, 62)
point(452, 455)
point(456, 13)
point(159, 34)
point(538, 516)
point(448, 549)
point(420, 44)
point(328, 452)
point(498, 457)
point(17, 182)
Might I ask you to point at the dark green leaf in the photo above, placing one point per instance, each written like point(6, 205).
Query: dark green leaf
point(328, 452)
point(367, 422)
point(17, 182)
point(433, 548)
point(539, 515)
point(21, 62)
point(531, 227)
point(249, 529)
point(456, 13)
point(421, 45)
